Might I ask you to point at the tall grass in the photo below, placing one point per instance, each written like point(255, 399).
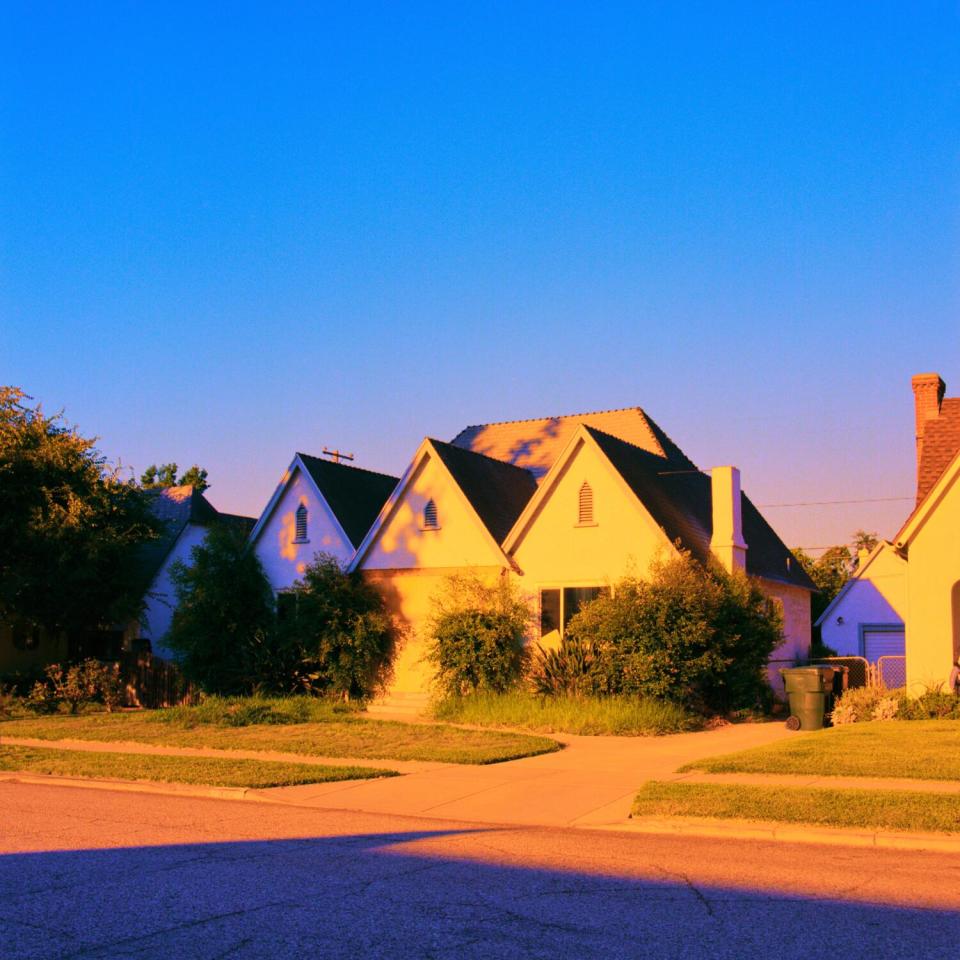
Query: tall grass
point(254, 711)
point(589, 716)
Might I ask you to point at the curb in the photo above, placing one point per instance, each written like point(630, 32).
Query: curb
point(135, 786)
point(768, 831)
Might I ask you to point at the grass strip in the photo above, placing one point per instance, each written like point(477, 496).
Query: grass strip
point(918, 750)
point(208, 771)
point(588, 716)
point(873, 809)
point(349, 737)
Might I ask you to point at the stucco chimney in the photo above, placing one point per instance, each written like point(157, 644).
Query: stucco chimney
point(727, 542)
point(928, 390)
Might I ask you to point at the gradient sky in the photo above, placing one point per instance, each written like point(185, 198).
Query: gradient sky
point(228, 232)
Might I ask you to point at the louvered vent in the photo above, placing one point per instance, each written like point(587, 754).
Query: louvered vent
point(586, 503)
point(430, 521)
point(301, 531)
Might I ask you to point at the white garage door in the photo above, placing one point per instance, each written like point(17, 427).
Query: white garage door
point(883, 643)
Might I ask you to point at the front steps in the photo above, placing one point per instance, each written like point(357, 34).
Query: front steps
point(401, 704)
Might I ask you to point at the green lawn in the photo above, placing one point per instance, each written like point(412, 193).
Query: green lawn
point(213, 772)
point(918, 749)
point(870, 809)
point(340, 735)
point(591, 716)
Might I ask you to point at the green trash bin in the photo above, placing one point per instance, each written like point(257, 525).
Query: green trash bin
point(807, 689)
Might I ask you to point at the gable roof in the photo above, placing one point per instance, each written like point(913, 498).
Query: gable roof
point(858, 574)
point(941, 442)
point(922, 512)
point(680, 502)
point(176, 507)
point(497, 491)
point(536, 444)
point(354, 495)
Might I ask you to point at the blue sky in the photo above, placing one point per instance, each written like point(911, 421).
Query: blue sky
point(231, 232)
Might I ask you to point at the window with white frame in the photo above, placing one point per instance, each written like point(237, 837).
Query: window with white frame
point(300, 533)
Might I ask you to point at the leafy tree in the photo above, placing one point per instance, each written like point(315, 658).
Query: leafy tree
point(337, 627)
point(68, 525)
point(478, 633)
point(166, 476)
point(223, 628)
point(691, 634)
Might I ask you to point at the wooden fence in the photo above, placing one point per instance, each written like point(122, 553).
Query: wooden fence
point(151, 682)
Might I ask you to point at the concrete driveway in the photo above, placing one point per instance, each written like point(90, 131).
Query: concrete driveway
point(591, 781)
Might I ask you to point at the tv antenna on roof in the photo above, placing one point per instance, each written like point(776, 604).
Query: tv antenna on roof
point(336, 456)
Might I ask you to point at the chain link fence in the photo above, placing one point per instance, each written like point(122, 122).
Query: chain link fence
point(891, 672)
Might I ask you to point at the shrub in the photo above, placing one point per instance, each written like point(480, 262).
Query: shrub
point(337, 631)
point(223, 627)
point(886, 708)
point(692, 634)
point(856, 705)
point(76, 686)
point(477, 635)
point(574, 669)
point(931, 705)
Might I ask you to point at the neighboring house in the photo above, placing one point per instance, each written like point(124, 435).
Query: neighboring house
point(566, 506)
point(867, 617)
point(318, 506)
point(26, 650)
point(905, 598)
point(187, 516)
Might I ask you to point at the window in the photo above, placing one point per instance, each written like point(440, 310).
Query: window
point(558, 605)
point(430, 519)
point(585, 516)
point(301, 530)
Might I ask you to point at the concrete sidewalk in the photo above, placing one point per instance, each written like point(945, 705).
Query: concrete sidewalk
point(591, 781)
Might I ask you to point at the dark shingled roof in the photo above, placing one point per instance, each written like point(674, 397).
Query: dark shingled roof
point(498, 491)
point(941, 441)
point(536, 444)
point(175, 507)
point(682, 504)
point(354, 495)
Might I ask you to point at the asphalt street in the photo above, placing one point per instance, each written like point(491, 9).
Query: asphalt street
point(93, 874)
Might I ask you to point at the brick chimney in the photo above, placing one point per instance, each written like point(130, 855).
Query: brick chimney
point(928, 390)
point(727, 543)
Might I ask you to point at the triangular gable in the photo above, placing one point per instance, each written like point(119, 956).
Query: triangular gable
point(296, 465)
point(455, 474)
point(915, 522)
point(859, 574)
point(581, 436)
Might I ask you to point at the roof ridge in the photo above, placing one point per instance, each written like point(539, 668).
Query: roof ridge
point(562, 416)
point(346, 466)
point(476, 453)
point(611, 436)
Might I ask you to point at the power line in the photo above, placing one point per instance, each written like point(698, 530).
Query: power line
point(825, 503)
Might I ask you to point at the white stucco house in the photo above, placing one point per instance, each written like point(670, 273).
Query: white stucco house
point(187, 516)
point(318, 506)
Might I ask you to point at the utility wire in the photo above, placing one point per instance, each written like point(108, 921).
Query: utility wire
point(824, 503)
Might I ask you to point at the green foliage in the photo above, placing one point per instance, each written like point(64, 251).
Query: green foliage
point(477, 635)
point(583, 715)
point(574, 669)
point(223, 627)
point(76, 686)
point(875, 703)
point(691, 634)
point(220, 711)
point(337, 630)
point(166, 476)
point(68, 525)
